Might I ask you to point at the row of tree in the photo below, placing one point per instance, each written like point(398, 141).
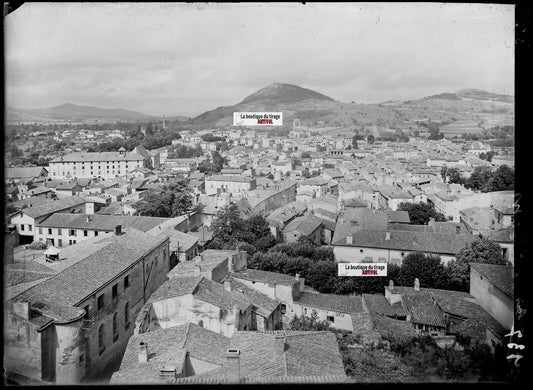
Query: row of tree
point(482, 179)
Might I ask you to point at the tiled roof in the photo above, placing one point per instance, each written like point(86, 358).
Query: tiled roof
point(412, 241)
point(306, 224)
point(305, 353)
point(203, 289)
point(398, 216)
point(378, 304)
point(100, 222)
point(98, 156)
point(23, 172)
point(340, 303)
point(53, 207)
point(501, 276)
point(264, 277)
point(239, 179)
point(262, 302)
point(423, 310)
point(392, 328)
point(73, 284)
point(24, 272)
point(167, 347)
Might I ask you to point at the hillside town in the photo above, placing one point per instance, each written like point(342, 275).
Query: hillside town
point(107, 282)
point(264, 194)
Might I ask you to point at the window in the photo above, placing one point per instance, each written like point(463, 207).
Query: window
point(50, 231)
point(115, 327)
point(331, 318)
point(60, 242)
point(95, 233)
point(402, 254)
point(283, 309)
point(59, 232)
point(126, 281)
point(101, 346)
point(72, 232)
point(29, 228)
point(361, 251)
point(22, 227)
point(114, 291)
point(127, 315)
point(85, 233)
point(82, 358)
point(101, 302)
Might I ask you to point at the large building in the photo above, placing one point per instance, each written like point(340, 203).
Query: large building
point(74, 325)
point(106, 165)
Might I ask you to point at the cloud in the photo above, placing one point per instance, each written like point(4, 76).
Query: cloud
point(188, 58)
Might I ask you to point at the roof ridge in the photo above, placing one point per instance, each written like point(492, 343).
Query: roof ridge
point(186, 335)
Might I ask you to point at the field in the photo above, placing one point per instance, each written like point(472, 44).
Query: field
point(459, 127)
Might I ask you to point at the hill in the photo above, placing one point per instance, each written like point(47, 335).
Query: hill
point(478, 94)
point(468, 108)
point(74, 112)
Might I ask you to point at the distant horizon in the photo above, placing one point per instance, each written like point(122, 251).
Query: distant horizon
point(224, 105)
point(187, 58)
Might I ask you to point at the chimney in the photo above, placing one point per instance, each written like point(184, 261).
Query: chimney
point(227, 285)
point(88, 219)
point(118, 230)
point(279, 344)
point(233, 373)
point(417, 284)
point(387, 236)
point(22, 309)
point(143, 352)
point(349, 240)
point(197, 270)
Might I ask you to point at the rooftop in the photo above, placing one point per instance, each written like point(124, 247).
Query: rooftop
point(98, 157)
point(501, 276)
point(255, 275)
point(339, 303)
point(55, 206)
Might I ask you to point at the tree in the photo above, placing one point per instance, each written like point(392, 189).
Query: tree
point(452, 175)
point(173, 200)
point(230, 231)
point(308, 323)
point(371, 139)
point(479, 251)
point(306, 155)
point(420, 213)
point(502, 179)
point(479, 178)
point(427, 268)
point(354, 141)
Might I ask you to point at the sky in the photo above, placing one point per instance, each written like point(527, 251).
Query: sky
point(184, 59)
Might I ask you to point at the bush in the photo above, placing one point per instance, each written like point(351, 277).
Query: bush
point(37, 245)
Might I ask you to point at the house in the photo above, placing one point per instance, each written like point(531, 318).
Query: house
point(195, 299)
point(68, 327)
point(63, 229)
point(231, 184)
point(391, 246)
point(190, 354)
point(315, 187)
point(442, 314)
point(266, 312)
point(493, 287)
point(306, 226)
point(26, 219)
point(38, 192)
point(213, 264)
point(105, 165)
point(68, 189)
point(17, 175)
